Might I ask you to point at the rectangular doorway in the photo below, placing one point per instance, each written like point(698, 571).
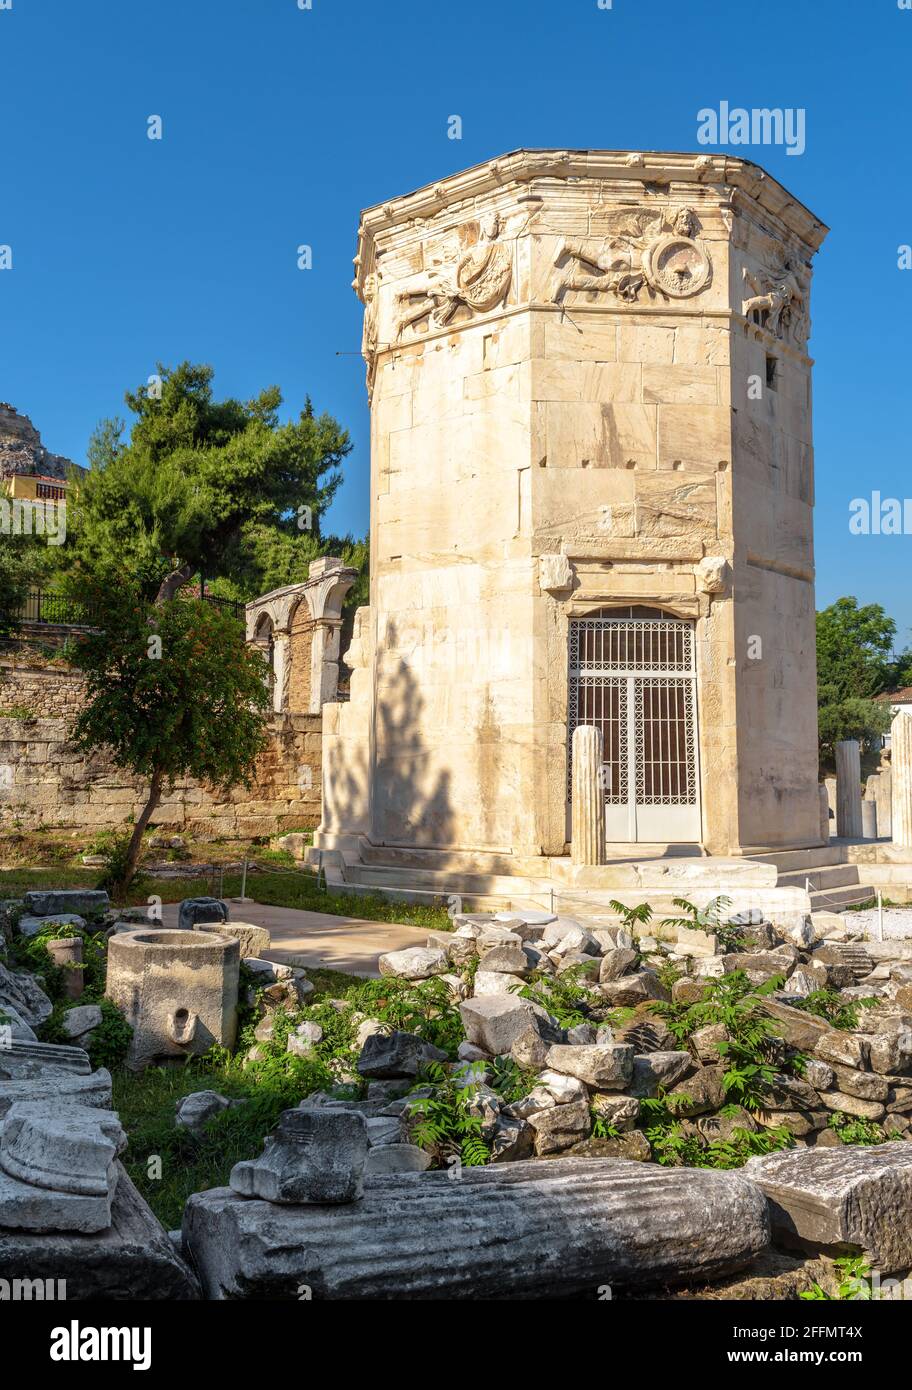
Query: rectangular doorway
point(634, 677)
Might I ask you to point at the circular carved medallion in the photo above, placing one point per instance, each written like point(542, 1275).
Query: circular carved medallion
point(677, 266)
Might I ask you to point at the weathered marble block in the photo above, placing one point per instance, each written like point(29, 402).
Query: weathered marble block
point(49, 902)
point(58, 1167)
point(131, 1259)
point(178, 990)
point(251, 939)
point(854, 1195)
point(25, 1059)
point(316, 1155)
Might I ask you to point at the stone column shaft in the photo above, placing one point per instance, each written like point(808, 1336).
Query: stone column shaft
point(901, 776)
point(587, 825)
point(848, 789)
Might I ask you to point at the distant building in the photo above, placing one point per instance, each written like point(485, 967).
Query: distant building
point(27, 468)
point(900, 701)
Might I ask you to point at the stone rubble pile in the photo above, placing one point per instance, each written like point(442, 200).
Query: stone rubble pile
point(523, 1229)
point(344, 1202)
point(604, 1068)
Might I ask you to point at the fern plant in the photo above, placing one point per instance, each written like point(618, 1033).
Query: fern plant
point(442, 1123)
point(708, 919)
point(838, 1012)
point(562, 996)
point(677, 1144)
point(601, 1129)
point(510, 1080)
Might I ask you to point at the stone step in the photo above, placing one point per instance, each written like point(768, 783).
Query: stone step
point(822, 879)
point(459, 861)
point(676, 874)
point(487, 863)
point(589, 899)
point(834, 899)
point(387, 876)
point(787, 860)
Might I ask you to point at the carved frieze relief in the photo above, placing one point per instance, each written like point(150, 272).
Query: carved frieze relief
point(477, 279)
point(779, 302)
point(647, 250)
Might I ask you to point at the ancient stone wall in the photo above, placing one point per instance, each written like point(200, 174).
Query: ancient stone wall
point(45, 781)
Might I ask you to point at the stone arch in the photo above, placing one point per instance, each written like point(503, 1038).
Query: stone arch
point(304, 622)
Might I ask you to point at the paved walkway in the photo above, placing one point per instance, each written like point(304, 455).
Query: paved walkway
point(319, 939)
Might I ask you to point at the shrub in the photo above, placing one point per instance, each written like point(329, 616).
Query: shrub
point(110, 1041)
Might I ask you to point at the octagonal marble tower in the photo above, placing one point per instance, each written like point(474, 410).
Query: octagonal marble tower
point(591, 502)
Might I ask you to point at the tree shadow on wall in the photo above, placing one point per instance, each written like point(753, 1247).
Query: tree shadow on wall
point(411, 801)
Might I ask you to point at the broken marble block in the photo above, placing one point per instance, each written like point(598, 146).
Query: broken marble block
point(58, 1169)
point(193, 910)
point(391, 1056)
point(25, 1058)
point(253, 940)
point(18, 1028)
point(494, 1021)
point(857, 1195)
point(607, 1067)
point(23, 992)
point(316, 1155)
point(396, 1158)
point(51, 902)
point(414, 963)
point(132, 1259)
point(93, 1090)
point(194, 1111)
point(81, 1020)
point(31, 1070)
point(30, 925)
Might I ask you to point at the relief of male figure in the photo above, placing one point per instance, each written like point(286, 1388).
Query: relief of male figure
point(613, 262)
point(479, 279)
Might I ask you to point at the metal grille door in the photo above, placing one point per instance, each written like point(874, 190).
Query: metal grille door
point(635, 679)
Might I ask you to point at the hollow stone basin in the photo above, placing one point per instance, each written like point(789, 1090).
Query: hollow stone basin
point(177, 989)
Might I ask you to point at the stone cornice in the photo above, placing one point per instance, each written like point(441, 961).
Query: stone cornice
point(524, 166)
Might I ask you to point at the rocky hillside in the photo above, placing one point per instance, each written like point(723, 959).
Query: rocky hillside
point(21, 449)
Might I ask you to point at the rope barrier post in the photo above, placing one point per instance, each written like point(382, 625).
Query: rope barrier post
point(243, 897)
point(880, 927)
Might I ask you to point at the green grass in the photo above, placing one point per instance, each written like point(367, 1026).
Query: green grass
point(292, 889)
point(168, 1164)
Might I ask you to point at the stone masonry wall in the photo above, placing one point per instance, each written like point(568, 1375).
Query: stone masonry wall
point(44, 781)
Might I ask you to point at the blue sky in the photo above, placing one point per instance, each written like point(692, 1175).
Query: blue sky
point(280, 124)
